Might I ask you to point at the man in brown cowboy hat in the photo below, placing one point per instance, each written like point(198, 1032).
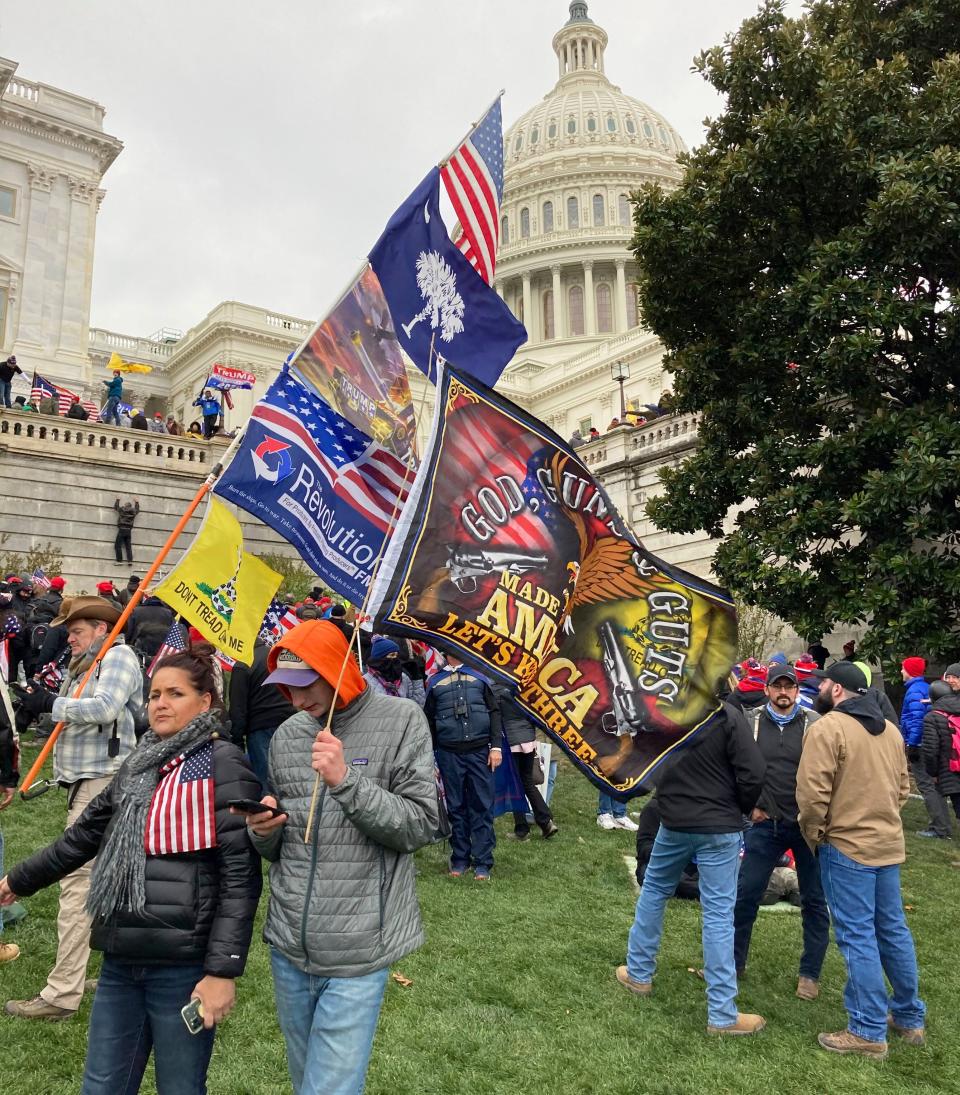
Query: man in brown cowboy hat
point(98, 734)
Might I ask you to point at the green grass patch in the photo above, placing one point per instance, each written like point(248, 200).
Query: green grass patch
point(514, 991)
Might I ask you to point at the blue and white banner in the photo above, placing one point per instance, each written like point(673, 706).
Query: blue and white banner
point(315, 479)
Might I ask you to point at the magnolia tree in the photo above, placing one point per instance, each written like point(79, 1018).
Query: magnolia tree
point(803, 280)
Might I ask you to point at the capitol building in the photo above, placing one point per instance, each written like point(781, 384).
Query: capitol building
point(564, 268)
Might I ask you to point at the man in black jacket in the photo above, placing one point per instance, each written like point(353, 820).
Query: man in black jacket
point(256, 710)
point(703, 797)
point(779, 729)
point(126, 514)
point(148, 626)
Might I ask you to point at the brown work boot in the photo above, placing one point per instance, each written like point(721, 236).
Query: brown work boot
point(641, 988)
point(37, 1008)
point(8, 952)
point(807, 988)
point(745, 1024)
point(845, 1041)
point(913, 1036)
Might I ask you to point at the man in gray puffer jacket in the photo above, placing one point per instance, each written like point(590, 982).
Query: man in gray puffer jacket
point(343, 905)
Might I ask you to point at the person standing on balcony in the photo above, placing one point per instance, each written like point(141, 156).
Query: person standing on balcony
point(210, 409)
point(8, 370)
point(110, 412)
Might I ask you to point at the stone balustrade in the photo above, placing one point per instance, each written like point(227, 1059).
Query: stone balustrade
point(134, 347)
point(25, 432)
point(631, 443)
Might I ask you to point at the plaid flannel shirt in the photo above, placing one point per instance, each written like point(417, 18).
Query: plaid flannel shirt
point(81, 749)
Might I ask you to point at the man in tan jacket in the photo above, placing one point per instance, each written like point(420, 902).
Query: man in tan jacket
point(851, 784)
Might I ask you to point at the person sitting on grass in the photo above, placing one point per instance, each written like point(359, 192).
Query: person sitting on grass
point(174, 889)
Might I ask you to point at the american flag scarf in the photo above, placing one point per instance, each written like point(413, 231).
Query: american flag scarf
point(163, 805)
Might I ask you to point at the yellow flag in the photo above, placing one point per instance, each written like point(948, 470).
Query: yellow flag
point(117, 364)
point(220, 588)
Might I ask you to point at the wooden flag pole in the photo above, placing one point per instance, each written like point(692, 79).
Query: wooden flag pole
point(361, 616)
point(118, 627)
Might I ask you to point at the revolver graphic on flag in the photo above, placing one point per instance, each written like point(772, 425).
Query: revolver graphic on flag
point(627, 714)
point(465, 566)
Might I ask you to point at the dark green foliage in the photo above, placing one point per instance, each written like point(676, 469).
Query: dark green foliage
point(803, 280)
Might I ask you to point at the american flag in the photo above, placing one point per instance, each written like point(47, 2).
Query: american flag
point(91, 408)
point(473, 178)
point(364, 474)
point(277, 621)
point(182, 815)
point(40, 579)
point(44, 389)
point(174, 643)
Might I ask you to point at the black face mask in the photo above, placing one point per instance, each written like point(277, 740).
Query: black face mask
point(390, 669)
point(823, 704)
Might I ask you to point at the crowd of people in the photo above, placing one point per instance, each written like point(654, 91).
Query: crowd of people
point(114, 411)
point(796, 791)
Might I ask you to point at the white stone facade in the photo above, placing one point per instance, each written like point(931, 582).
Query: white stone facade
point(53, 155)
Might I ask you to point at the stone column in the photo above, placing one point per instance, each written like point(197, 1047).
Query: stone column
point(620, 298)
point(75, 311)
point(557, 312)
point(528, 317)
point(589, 301)
point(29, 331)
point(498, 285)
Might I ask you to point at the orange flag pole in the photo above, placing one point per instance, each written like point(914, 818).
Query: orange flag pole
point(118, 627)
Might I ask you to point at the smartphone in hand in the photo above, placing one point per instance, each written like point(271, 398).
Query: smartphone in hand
point(192, 1014)
point(251, 806)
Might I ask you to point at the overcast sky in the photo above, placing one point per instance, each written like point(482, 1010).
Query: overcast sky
point(268, 143)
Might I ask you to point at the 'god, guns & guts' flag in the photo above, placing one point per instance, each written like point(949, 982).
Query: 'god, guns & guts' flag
point(221, 589)
point(510, 553)
point(319, 482)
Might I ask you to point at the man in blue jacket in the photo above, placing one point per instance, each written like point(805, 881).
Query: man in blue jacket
point(916, 704)
point(111, 410)
point(466, 726)
point(210, 409)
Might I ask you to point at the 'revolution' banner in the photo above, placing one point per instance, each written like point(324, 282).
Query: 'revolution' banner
point(510, 553)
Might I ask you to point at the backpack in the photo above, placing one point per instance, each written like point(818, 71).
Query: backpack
point(953, 723)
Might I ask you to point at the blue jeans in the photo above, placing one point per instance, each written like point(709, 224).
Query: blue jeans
point(608, 805)
point(718, 858)
point(328, 1025)
point(765, 843)
point(111, 411)
point(468, 783)
point(136, 1009)
point(5, 392)
point(258, 750)
point(873, 937)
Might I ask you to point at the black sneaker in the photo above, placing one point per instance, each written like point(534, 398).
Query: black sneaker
point(550, 829)
point(522, 835)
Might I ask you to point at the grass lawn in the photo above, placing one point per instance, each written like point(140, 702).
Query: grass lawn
point(514, 991)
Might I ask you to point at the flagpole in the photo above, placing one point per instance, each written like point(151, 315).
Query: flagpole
point(473, 126)
point(118, 627)
point(361, 613)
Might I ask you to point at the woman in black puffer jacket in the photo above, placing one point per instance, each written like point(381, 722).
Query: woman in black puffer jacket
point(174, 888)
